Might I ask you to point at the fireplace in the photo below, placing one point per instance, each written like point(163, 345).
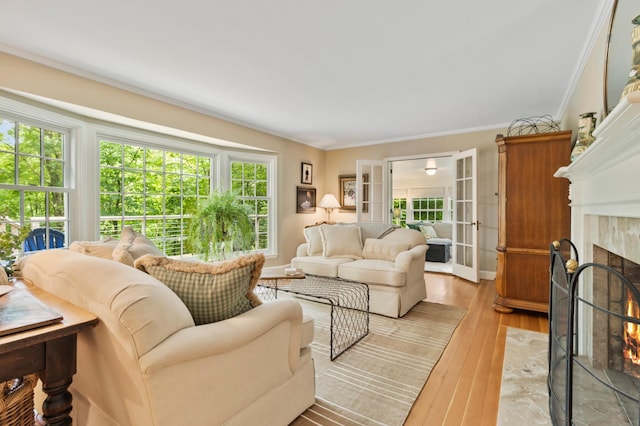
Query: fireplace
point(601, 385)
point(616, 344)
point(605, 229)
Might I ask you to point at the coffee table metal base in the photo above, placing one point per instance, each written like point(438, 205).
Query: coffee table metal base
point(349, 301)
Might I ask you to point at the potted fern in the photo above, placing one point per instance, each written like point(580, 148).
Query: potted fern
point(220, 226)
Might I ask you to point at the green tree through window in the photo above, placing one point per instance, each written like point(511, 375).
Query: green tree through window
point(153, 190)
point(250, 181)
point(428, 208)
point(33, 190)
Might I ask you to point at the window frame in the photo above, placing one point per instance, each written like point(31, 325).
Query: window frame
point(45, 120)
point(161, 145)
point(82, 160)
point(427, 211)
point(271, 162)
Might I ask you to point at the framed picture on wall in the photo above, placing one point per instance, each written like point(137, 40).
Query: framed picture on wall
point(306, 173)
point(347, 199)
point(305, 200)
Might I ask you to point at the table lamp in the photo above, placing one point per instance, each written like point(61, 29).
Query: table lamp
point(329, 202)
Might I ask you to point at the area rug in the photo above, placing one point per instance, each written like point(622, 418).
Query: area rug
point(377, 380)
point(523, 394)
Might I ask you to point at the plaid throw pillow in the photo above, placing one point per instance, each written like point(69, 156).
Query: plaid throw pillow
point(211, 291)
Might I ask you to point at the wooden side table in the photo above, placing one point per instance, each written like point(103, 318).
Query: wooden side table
point(49, 351)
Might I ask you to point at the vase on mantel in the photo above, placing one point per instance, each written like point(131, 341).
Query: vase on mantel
point(586, 126)
point(633, 84)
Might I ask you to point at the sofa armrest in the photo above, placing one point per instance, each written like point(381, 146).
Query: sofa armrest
point(301, 251)
point(220, 369)
point(226, 336)
point(406, 258)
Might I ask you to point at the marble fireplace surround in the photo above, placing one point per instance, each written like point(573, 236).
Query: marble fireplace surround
point(604, 192)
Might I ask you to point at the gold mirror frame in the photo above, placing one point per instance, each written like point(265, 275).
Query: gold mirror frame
point(618, 53)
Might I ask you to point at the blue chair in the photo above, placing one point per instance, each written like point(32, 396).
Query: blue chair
point(36, 239)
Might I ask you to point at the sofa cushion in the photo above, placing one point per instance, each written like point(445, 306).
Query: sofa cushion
point(133, 245)
point(314, 240)
point(428, 231)
point(382, 250)
point(319, 265)
point(103, 248)
point(371, 271)
point(212, 291)
point(341, 241)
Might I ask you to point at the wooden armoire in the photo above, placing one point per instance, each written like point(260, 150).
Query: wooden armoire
point(533, 211)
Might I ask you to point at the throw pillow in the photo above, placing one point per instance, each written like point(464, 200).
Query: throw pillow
point(382, 250)
point(428, 231)
point(211, 291)
point(133, 245)
point(103, 248)
point(314, 240)
point(413, 226)
point(341, 241)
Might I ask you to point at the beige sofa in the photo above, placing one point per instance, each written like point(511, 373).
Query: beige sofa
point(389, 259)
point(146, 363)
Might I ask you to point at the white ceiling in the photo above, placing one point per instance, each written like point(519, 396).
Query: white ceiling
point(329, 73)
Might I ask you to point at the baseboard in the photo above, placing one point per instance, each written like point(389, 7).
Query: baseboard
point(487, 275)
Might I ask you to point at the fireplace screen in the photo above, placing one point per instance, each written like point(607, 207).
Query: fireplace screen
point(594, 339)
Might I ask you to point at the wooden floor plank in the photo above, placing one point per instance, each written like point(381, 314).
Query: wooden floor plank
point(464, 386)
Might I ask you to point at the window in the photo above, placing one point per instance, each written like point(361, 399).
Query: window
point(89, 180)
point(428, 208)
point(151, 189)
point(400, 211)
point(250, 179)
point(34, 190)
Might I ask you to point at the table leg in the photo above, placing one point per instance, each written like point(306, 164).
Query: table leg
point(56, 379)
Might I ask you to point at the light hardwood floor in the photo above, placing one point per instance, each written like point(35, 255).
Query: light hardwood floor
point(464, 386)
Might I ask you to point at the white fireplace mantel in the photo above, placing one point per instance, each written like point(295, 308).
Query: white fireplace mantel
point(605, 179)
point(605, 195)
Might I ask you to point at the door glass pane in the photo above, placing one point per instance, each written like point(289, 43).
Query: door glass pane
point(468, 257)
point(468, 167)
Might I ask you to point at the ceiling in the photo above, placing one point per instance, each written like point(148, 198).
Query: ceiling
point(331, 73)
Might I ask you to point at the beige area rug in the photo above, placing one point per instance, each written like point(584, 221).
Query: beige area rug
point(524, 399)
point(377, 381)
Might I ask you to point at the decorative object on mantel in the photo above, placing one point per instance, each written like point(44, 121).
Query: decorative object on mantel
point(586, 126)
point(634, 76)
point(532, 125)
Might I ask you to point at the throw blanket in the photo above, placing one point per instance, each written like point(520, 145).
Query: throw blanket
point(375, 230)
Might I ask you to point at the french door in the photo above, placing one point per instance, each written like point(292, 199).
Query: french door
point(465, 214)
point(372, 192)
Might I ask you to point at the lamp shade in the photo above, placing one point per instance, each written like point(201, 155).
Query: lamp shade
point(329, 201)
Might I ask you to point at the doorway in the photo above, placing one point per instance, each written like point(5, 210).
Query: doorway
point(422, 191)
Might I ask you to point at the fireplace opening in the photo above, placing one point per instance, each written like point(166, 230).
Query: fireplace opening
point(594, 361)
point(631, 338)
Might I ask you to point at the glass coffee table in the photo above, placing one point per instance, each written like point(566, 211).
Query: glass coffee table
point(349, 301)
